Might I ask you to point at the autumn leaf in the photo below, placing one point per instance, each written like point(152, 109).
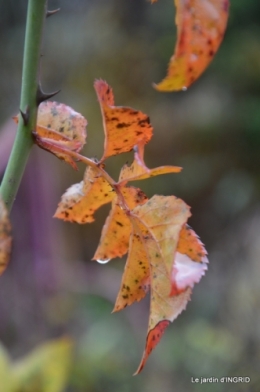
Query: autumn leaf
point(124, 127)
point(190, 261)
point(64, 120)
point(80, 201)
point(165, 256)
point(116, 231)
point(139, 171)
point(5, 237)
point(190, 264)
point(59, 130)
point(156, 227)
point(159, 240)
point(200, 29)
point(136, 278)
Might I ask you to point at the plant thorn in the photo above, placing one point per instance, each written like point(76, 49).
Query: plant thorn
point(50, 13)
point(41, 96)
point(25, 115)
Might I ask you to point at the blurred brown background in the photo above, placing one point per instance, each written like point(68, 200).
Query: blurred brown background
point(52, 287)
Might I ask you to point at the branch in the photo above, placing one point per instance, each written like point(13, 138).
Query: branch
point(28, 105)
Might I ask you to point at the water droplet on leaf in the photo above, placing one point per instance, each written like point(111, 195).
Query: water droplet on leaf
point(100, 261)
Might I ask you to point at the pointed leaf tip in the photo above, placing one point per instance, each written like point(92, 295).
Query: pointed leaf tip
point(153, 338)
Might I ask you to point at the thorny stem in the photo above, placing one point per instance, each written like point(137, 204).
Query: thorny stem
point(28, 106)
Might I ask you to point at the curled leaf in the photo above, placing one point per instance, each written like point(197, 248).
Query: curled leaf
point(124, 127)
point(200, 30)
point(63, 120)
point(5, 237)
point(60, 130)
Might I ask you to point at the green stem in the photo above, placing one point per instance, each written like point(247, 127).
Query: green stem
point(23, 142)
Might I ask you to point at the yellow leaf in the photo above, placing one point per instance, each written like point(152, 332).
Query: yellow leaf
point(136, 278)
point(158, 223)
point(80, 201)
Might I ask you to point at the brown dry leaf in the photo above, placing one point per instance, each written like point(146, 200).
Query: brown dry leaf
point(80, 201)
point(5, 237)
point(116, 231)
point(124, 127)
point(200, 29)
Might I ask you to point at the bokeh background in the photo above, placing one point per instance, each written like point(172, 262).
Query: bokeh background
point(52, 287)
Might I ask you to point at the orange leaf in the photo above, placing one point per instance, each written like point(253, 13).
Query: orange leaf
point(190, 245)
point(190, 261)
point(156, 228)
point(176, 304)
point(124, 127)
point(5, 237)
point(136, 278)
point(116, 232)
point(200, 30)
point(139, 171)
point(80, 201)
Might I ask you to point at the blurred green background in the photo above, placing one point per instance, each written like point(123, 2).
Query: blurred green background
point(52, 287)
